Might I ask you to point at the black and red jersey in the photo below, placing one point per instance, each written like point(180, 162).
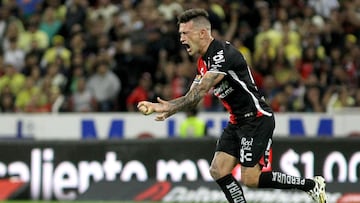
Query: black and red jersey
point(237, 90)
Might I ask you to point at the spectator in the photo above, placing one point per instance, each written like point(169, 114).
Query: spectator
point(14, 55)
point(12, 33)
point(279, 102)
point(35, 74)
point(105, 10)
point(291, 45)
point(45, 86)
point(140, 93)
point(77, 71)
point(192, 126)
point(7, 103)
point(263, 58)
point(339, 76)
point(338, 97)
point(29, 97)
point(31, 60)
point(28, 8)
point(56, 100)
point(105, 86)
point(58, 7)
point(94, 33)
point(37, 104)
point(136, 63)
point(324, 8)
point(58, 79)
point(82, 99)
point(332, 33)
point(3, 21)
point(283, 18)
point(283, 70)
point(37, 51)
point(75, 15)
point(49, 24)
point(104, 45)
point(77, 45)
point(57, 51)
point(244, 50)
point(170, 9)
point(293, 94)
point(312, 100)
point(269, 87)
point(13, 8)
point(12, 78)
point(7, 100)
point(309, 63)
point(33, 33)
point(267, 35)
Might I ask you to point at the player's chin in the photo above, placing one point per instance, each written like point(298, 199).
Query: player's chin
point(190, 52)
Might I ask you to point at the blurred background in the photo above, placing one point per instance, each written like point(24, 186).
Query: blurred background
point(73, 71)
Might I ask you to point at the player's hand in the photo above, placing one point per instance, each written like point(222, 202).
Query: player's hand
point(146, 107)
point(163, 108)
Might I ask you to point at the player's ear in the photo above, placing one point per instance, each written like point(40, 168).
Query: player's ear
point(202, 33)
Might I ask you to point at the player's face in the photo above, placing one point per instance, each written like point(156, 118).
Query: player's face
point(189, 37)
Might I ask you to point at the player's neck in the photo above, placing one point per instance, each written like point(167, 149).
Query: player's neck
point(206, 45)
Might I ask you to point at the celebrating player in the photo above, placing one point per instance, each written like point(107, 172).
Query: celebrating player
point(248, 136)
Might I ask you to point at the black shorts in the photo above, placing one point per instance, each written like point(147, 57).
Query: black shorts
point(250, 141)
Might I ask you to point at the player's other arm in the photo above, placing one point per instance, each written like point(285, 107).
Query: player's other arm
point(188, 101)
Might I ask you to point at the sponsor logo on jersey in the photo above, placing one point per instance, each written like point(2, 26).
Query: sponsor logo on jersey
point(223, 90)
point(246, 147)
point(218, 59)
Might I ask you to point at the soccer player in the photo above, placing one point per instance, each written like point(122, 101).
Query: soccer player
point(248, 136)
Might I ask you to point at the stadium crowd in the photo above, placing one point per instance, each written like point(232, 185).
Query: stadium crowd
point(104, 56)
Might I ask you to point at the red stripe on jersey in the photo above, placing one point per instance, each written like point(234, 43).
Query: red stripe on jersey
point(228, 108)
point(259, 114)
point(201, 65)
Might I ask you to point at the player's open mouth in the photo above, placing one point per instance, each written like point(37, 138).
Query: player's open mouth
point(187, 47)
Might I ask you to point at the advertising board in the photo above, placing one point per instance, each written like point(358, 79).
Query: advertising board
point(69, 170)
point(133, 125)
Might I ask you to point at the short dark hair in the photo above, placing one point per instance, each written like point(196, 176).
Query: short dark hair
point(193, 13)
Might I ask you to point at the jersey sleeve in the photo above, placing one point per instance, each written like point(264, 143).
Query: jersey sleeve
point(225, 58)
point(218, 62)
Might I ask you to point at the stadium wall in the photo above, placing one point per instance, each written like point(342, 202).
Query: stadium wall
point(133, 125)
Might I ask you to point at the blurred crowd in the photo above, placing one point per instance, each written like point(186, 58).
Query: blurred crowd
point(107, 55)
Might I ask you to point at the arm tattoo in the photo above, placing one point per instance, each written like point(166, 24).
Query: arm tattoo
point(195, 94)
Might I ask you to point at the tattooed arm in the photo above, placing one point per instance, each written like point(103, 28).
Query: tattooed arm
point(188, 101)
